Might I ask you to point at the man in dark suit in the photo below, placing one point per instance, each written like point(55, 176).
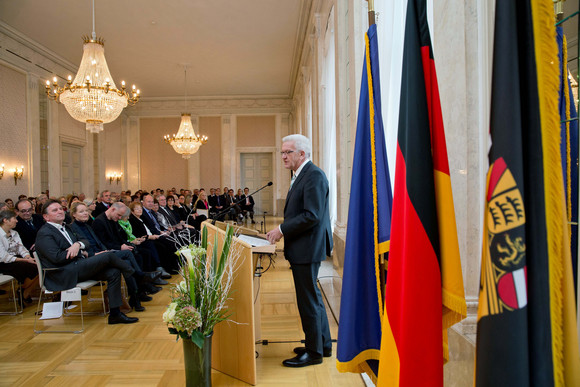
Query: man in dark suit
point(307, 242)
point(59, 248)
point(28, 223)
point(103, 203)
point(248, 204)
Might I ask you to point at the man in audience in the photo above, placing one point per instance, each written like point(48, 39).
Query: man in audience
point(103, 203)
point(235, 210)
point(59, 248)
point(28, 223)
point(248, 204)
point(9, 203)
point(82, 197)
point(219, 203)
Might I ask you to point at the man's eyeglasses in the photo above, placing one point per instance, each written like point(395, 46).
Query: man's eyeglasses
point(26, 211)
point(286, 153)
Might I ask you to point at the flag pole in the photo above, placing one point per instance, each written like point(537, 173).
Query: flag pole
point(382, 258)
point(371, 12)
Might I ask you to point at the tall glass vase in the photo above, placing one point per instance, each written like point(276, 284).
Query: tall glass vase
point(197, 363)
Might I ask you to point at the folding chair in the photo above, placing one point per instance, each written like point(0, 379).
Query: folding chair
point(85, 285)
point(5, 279)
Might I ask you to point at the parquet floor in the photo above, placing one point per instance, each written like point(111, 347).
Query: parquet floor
point(145, 354)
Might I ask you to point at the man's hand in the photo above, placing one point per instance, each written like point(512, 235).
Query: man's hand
point(73, 251)
point(274, 235)
point(127, 247)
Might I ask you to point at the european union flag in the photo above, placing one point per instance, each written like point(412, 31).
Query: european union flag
point(368, 230)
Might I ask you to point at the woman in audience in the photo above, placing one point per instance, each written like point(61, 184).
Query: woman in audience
point(15, 260)
point(201, 203)
point(174, 207)
point(91, 205)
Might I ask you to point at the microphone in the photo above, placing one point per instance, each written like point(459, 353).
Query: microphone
point(226, 210)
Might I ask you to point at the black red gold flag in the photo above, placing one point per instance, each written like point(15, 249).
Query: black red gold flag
point(424, 290)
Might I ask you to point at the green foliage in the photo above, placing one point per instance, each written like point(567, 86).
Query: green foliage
point(203, 286)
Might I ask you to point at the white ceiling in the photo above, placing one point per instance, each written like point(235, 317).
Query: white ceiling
point(232, 47)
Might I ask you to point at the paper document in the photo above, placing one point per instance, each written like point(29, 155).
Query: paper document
point(73, 294)
point(203, 212)
point(253, 240)
point(51, 310)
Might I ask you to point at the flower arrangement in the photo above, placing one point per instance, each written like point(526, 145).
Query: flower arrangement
point(198, 302)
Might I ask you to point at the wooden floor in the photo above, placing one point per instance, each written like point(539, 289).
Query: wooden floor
point(146, 354)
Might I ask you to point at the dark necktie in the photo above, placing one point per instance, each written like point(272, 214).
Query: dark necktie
point(31, 224)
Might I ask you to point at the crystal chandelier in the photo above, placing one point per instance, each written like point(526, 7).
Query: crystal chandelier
point(186, 142)
point(92, 97)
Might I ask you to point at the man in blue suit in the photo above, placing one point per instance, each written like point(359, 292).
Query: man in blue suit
point(307, 242)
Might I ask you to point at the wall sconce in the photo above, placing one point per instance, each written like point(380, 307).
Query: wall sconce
point(2, 171)
point(18, 172)
point(114, 176)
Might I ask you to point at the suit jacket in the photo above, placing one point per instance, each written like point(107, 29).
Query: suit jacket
point(306, 227)
point(211, 199)
point(149, 223)
point(247, 206)
point(51, 247)
point(99, 209)
point(138, 226)
point(109, 232)
point(27, 233)
point(168, 214)
point(80, 233)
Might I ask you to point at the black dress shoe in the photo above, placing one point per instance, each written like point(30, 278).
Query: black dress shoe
point(326, 352)
point(143, 297)
point(159, 282)
point(122, 319)
point(151, 289)
point(150, 277)
point(135, 303)
point(306, 359)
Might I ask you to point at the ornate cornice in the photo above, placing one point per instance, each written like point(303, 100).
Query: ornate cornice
point(26, 54)
point(164, 107)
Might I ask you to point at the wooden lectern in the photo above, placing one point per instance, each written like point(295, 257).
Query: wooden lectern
point(233, 348)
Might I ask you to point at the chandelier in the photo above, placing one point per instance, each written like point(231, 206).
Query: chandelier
point(186, 142)
point(92, 97)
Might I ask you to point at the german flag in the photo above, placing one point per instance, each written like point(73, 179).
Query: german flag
point(424, 290)
point(526, 331)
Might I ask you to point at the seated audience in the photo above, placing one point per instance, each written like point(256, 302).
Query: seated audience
point(15, 260)
point(59, 248)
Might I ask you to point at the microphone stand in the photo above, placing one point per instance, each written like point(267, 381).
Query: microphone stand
point(226, 210)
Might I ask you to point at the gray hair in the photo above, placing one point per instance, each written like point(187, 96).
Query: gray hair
point(301, 143)
point(118, 206)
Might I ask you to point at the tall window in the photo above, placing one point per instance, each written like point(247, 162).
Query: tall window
point(328, 138)
point(43, 118)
